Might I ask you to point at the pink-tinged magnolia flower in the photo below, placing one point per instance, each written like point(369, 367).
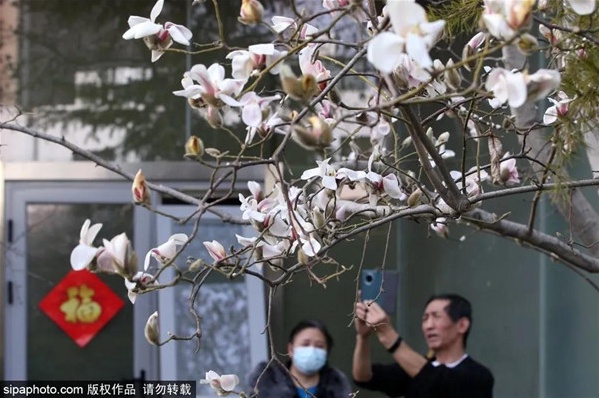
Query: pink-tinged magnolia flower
point(117, 256)
point(215, 250)
point(256, 57)
point(325, 171)
point(165, 253)
point(139, 189)
point(156, 36)
point(140, 280)
point(474, 178)
point(439, 226)
point(503, 18)
point(541, 83)
point(280, 24)
point(388, 185)
point(335, 4)
point(413, 35)
point(558, 109)
point(309, 66)
point(255, 190)
point(506, 86)
point(211, 84)
point(84, 253)
point(508, 173)
point(222, 384)
point(252, 106)
point(582, 7)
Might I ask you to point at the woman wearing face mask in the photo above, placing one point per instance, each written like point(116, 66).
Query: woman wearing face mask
point(307, 373)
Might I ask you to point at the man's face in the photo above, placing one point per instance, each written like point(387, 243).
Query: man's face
point(439, 330)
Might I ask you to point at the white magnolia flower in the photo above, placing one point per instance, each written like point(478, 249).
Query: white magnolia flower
point(249, 207)
point(504, 18)
point(164, 253)
point(506, 86)
point(222, 384)
point(325, 171)
point(413, 35)
point(156, 36)
point(84, 253)
point(310, 245)
point(558, 109)
point(115, 256)
point(211, 84)
point(252, 106)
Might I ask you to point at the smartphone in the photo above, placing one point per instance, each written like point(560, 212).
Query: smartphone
point(380, 285)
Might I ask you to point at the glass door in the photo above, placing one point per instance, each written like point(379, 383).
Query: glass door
point(43, 326)
point(232, 311)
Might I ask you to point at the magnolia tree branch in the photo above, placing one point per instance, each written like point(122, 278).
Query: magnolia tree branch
point(576, 209)
point(553, 246)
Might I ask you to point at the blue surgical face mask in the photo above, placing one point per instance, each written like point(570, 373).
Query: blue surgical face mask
point(309, 359)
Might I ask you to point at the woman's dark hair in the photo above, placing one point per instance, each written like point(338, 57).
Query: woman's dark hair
point(302, 325)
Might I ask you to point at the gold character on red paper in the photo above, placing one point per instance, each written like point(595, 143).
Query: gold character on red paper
point(80, 306)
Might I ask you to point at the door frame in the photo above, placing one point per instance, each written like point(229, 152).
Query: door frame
point(18, 196)
point(87, 182)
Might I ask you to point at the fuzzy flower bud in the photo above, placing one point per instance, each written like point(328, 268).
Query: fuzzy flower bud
point(194, 148)
point(139, 189)
point(300, 89)
point(251, 12)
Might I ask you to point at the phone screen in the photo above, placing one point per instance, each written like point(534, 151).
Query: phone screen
point(380, 285)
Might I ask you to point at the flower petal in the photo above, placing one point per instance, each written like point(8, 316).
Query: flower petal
point(417, 48)
point(228, 382)
point(180, 33)
point(82, 256)
point(252, 115)
point(384, 51)
point(156, 10)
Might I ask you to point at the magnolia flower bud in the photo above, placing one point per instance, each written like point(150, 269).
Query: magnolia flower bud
point(443, 138)
point(321, 130)
point(300, 89)
point(527, 43)
point(318, 218)
point(194, 148)
point(302, 257)
point(151, 330)
point(213, 116)
point(213, 152)
point(251, 12)
point(139, 189)
point(414, 198)
point(452, 76)
point(407, 141)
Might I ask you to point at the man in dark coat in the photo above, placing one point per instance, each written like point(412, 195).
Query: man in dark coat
point(452, 373)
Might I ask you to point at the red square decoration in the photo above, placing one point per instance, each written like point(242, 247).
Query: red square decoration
point(81, 304)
